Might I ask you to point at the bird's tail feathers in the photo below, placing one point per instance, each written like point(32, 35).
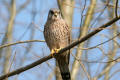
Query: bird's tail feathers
point(63, 63)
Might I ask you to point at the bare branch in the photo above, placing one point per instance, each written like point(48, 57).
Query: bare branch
point(19, 42)
point(22, 69)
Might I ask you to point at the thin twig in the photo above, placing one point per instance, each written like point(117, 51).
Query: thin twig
point(19, 42)
point(82, 65)
point(102, 43)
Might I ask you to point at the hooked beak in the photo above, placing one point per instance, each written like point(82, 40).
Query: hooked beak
point(55, 14)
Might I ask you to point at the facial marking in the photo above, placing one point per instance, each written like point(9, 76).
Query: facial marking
point(54, 14)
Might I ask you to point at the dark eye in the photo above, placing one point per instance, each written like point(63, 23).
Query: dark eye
point(51, 12)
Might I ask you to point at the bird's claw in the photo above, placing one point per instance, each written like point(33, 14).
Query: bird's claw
point(53, 51)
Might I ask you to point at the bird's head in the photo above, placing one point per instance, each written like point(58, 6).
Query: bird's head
point(54, 14)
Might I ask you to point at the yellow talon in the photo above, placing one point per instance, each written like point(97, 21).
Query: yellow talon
point(53, 51)
point(57, 50)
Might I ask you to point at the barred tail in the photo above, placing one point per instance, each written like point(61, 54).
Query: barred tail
point(63, 63)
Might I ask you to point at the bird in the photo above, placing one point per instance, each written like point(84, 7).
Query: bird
point(57, 36)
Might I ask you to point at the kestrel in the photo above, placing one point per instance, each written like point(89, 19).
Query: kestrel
point(57, 36)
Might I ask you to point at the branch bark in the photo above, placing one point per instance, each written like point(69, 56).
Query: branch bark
point(9, 36)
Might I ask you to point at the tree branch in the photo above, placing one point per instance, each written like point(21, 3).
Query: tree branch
point(20, 42)
point(22, 69)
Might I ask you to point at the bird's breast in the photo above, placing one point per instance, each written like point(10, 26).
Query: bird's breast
point(56, 33)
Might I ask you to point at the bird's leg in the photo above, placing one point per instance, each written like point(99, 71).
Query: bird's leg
point(53, 51)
